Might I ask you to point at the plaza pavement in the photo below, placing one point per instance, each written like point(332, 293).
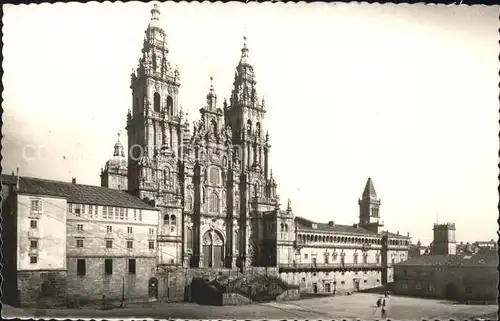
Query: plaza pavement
point(357, 306)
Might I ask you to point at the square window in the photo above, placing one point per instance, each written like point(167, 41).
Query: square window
point(151, 245)
point(79, 243)
point(131, 266)
point(33, 244)
point(79, 227)
point(130, 244)
point(109, 244)
point(365, 281)
point(343, 282)
point(36, 206)
point(33, 224)
point(33, 259)
point(108, 266)
point(80, 267)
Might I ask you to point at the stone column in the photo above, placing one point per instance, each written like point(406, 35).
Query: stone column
point(200, 262)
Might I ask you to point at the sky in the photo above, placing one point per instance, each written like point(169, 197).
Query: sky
point(406, 95)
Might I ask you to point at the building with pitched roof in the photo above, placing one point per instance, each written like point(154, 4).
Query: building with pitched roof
point(455, 277)
point(72, 239)
point(331, 258)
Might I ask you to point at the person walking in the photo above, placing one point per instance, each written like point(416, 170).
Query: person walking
point(385, 305)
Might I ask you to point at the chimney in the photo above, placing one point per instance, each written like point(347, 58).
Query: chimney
point(398, 232)
point(73, 180)
point(17, 178)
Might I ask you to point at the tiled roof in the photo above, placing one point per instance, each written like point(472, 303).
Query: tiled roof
point(77, 193)
point(369, 191)
point(480, 259)
point(305, 224)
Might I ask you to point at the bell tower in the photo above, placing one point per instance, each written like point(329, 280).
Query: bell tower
point(245, 115)
point(155, 121)
point(369, 206)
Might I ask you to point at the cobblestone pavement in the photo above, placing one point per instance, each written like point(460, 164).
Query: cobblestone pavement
point(357, 306)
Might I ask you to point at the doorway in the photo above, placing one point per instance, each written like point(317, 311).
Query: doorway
point(213, 249)
point(315, 288)
point(451, 292)
point(153, 288)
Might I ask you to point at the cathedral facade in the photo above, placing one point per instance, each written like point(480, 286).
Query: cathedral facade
point(212, 181)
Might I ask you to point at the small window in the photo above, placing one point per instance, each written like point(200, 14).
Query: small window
point(108, 266)
point(130, 244)
point(365, 281)
point(33, 224)
point(303, 280)
point(151, 245)
point(109, 244)
point(33, 244)
point(91, 210)
point(135, 215)
point(171, 261)
point(343, 282)
point(129, 230)
point(109, 228)
point(70, 208)
point(36, 206)
point(79, 243)
point(80, 267)
point(79, 227)
point(78, 210)
point(122, 213)
point(140, 215)
point(33, 259)
point(305, 256)
point(131, 266)
point(151, 231)
point(83, 208)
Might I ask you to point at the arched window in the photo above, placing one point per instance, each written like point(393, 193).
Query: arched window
point(156, 99)
point(236, 241)
point(136, 105)
point(257, 129)
point(170, 106)
point(166, 176)
point(257, 188)
point(286, 228)
point(166, 219)
point(214, 203)
point(189, 238)
point(213, 124)
point(249, 127)
point(214, 176)
point(355, 258)
point(172, 220)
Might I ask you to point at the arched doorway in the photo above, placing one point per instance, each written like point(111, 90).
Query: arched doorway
point(213, 249)
point(153, 288)
point(451, 292)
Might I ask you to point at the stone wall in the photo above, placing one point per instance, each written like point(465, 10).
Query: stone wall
point(94, 284)
point(288, 295)
point(234, 299)
point(174, 284)
point(42, 288)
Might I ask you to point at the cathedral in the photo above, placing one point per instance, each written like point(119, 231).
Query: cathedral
point(211, 180)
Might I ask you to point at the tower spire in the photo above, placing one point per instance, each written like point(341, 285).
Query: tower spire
point(244, 52)
point(155, 16)
point(369, 192)
point(118, 147)
point(211, 96)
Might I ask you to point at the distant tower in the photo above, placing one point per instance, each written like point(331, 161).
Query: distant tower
point(114, 174)
point(369, 206)
point(444, 239)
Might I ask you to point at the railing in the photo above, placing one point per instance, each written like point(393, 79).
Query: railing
point(327, 265)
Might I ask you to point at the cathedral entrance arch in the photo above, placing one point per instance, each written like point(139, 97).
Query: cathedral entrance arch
point(213, 249)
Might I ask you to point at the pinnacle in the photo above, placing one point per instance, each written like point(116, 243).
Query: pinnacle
point(369, 191)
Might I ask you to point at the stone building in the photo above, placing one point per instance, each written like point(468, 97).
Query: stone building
point(454, 277)
point(75, 240)
point(333, 258)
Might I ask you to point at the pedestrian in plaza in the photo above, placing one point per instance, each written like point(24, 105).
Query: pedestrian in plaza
point(385, 305)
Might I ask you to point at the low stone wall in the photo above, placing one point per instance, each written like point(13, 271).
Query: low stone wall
point(234, 299)
point(288, 295)
point(174, 283)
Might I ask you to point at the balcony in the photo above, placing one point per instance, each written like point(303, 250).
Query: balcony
point(327, 266)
